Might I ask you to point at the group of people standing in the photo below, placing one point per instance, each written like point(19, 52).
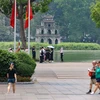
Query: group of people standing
point(94, 74)
point(46, 54)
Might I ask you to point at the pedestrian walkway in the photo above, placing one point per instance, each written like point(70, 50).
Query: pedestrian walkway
point(54, 81)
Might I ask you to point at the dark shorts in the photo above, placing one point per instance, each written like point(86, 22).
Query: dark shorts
point(98, 79)
point(11, 80)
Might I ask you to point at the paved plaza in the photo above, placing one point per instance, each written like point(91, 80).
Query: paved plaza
point(54, 81)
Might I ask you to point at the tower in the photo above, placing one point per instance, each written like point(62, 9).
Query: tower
point(47, 32)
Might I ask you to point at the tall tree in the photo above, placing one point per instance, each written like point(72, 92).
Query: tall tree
point(37, 5)
point(73, 17)
point(95, 12)
point(95, 15)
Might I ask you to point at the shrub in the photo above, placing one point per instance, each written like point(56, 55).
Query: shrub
point(5, 59)
point(26, 65)
point(6, 45)
point(78, 46)
point(65, 45)
point(23, 63)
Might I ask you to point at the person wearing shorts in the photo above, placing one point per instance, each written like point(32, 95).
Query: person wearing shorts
point(97, 74)
point(11, 75)
point(92, 78)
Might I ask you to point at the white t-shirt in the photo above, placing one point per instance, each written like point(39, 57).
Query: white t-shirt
point(61, 50)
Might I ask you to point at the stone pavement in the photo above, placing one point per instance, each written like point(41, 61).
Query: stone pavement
point(54, 81)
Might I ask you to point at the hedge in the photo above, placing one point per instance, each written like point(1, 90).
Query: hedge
point(7, 45)
point(65, 45)
point(78, 46)
point(26, 64)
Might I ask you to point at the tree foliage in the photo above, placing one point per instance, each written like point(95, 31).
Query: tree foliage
point(73, 17)
point(95, 12)
point(37, 5)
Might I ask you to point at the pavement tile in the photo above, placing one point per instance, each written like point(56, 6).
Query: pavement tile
point(44, 96)
point(55, 81)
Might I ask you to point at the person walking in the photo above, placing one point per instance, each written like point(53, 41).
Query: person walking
point(97, 74)
point(12, 77)
point(92, 77)
point(61, 54)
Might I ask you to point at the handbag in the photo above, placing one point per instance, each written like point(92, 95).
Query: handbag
point(90, 73)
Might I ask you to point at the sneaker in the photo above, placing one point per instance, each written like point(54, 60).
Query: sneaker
point(88, 92)
point(92, 92)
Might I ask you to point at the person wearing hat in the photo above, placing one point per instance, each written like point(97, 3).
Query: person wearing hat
point(12, 77)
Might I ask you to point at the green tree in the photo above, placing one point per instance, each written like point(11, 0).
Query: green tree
point(95, 15)
point(73, 17)
point(37, 5)
point(95, 12)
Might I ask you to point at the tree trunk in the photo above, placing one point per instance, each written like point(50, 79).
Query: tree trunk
point(22, 33)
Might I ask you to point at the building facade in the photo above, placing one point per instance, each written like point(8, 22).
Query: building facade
point(47, 32)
